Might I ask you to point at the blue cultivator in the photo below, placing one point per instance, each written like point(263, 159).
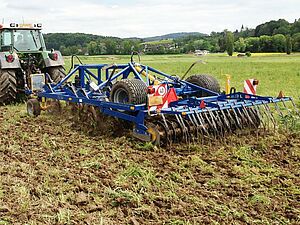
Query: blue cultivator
point(163, 108)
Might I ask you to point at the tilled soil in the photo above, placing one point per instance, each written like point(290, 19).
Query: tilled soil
point(54, 171)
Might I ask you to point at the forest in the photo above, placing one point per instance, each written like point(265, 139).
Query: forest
point(272, 36)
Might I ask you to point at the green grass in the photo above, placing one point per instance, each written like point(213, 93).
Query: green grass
point(52, 171)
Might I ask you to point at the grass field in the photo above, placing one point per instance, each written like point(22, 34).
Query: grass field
point(55, 171)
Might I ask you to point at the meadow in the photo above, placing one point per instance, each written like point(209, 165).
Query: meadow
point(54, 170)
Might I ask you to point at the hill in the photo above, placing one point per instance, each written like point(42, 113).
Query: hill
point(172, 36)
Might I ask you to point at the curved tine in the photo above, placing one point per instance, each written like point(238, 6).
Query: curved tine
point(265, 116)
point(238, 120)
point(201, 121)
point(214, 120)
point(281, 115)
point(174, 136)
point(189, 135)
point(211, 126)
point(249, 117)
point(268, 110)
point(295, 107)
point(242, 117)
point(226, 120)
point(195, 123)
point(220, 123)
point(231, 120)
point(167, 129)
point(260, 116)
point(255, 115)
point(278, 110)
point(191, 128)
point(288, 110)
point(184, 129)
point(198, 125)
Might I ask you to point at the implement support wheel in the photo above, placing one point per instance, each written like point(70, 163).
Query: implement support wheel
point(33, 107)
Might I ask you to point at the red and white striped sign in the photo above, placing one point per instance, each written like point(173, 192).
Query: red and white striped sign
point(161, 97)
point(250, 86)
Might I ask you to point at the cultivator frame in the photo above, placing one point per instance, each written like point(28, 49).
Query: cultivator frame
point(187, 119)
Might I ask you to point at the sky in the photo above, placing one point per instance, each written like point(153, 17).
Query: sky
point(146, 18)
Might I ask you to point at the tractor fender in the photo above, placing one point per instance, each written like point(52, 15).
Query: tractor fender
point(9, 65)
point(50, 62)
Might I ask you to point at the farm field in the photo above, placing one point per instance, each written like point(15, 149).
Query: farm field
point(54, 170)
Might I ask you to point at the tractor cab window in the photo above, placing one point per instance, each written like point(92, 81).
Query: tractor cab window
point(6, 40)
point(27, 40)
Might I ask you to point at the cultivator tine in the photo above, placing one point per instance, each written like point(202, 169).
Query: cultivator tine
point(278, 109)
point(184, 129)
point(237, 119)
point(285, 106)
point(220, 123)
point(195, 124)
point(295, 107)
point(202, 122)
point(213, 121)
point(261, 117)
point(270, 114)
point(226, 121)
point(248, 117)
point(168, 131)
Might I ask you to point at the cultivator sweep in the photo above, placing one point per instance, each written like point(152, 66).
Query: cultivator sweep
point(165, 109)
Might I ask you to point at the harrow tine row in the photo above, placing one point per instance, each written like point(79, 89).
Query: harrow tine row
point(198, 126)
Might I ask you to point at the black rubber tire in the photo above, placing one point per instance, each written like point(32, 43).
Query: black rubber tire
point(33, 107)
point(205, 81)
point(56, 73)
point(8, 86)
point(134, 91)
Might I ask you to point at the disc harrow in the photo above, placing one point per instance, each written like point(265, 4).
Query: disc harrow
point(165, 109)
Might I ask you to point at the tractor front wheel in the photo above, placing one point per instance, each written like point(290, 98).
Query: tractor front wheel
point(56, 73)
point(8, 86)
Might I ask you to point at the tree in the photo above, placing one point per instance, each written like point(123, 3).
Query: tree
point(252, 44)
point(240, 45)
point(289, 44)
point(229, 43)
point(296, 42)
point(265, 43)
point(279, 43)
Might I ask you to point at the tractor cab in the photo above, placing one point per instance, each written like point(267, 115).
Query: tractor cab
point(22, 38)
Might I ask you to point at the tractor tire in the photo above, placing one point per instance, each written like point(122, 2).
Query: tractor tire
point(129, 91)
point(205, 81)
point(56, 73)
point(8, 86)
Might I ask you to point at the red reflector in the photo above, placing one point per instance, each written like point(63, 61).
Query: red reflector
point(151, 90)
point(53, 56)
point(202, 104)
point(10, 58)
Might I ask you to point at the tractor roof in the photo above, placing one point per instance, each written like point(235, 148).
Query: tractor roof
point(21, 26)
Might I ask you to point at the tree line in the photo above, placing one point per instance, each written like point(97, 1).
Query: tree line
point(273, 36)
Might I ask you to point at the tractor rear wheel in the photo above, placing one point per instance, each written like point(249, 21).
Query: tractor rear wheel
point(129, 91)
point(205, 81)
point(8, 86)
point(56, 73)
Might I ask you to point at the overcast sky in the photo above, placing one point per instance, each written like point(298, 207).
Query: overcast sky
point(144, 18)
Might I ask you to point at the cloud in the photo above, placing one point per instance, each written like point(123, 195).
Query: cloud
point(142, 18)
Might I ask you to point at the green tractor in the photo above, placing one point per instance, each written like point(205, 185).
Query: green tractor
point(23, 55)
